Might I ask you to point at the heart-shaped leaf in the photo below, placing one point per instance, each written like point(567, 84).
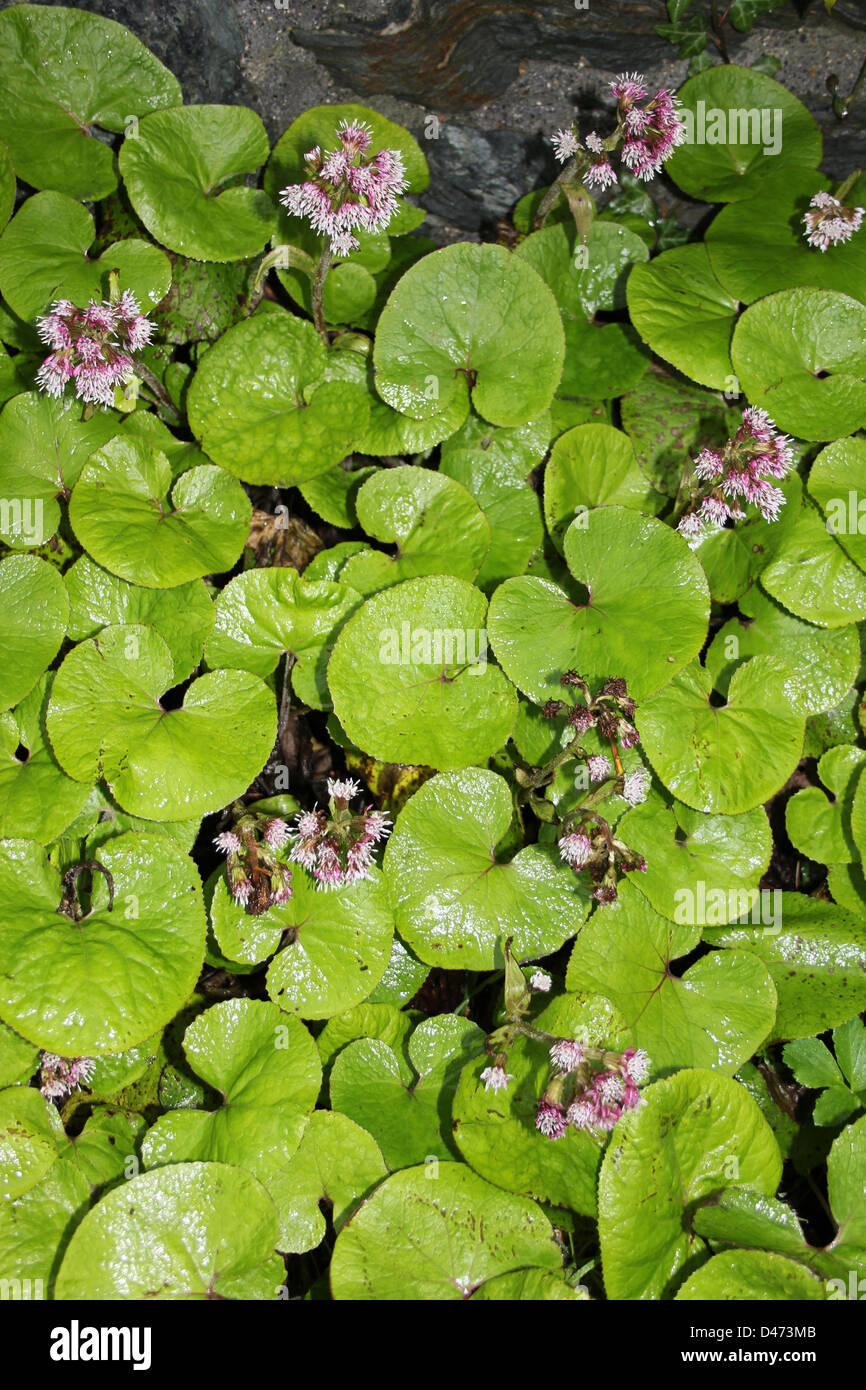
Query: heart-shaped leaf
point(107, 981)
point(37, 800)
point(261, 406)
point(593, 466)
point(127, 1247)
point(410, 679)
point(131, 520)
point(679, 308)
point(663, 1159)
point(800, 355)
point(454, 901)
point(735, 119)
point(644, 618)
point(338, 1162)
point(475, 310)
point(36, 1227)
point(105, 720)
point(61, 72)
point(34, 611)
point(173, 166)
point(585, 276)
point(812, 576)
point(626, 953)
point(440, 1239)
point(820, 828)
point(725, 760)
point(43, 256)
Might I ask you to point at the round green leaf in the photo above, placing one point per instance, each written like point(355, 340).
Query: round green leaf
point(626, 953)
point(43, 256)
point(33, 614)
point(684, 849)
point(132, 521)
point(173, 166)
point(37, 799)
point(817, 960)
point(475, 310)
point(837, 481)
point(751, 1276)
point(436, 525)
point(267, 1070)
point(61, 72)
point(758, 246)
point(263, 613)
point(183, 616)
point(737, 118)
point(663, 1159)
point(724, 760)
point(437, 1240)
point(454, 901)
point(261, 407)
point(36, 1227)
point(338, 948)
point(107, 982)
point(408, 1116)
point(44, 444)
point(812, 576)
point(645, 616)
point(801, 355)
point(679, 308)
point(337, 1162)
point(30, 1135)
point(508, 502)
point(593, 466)
point(190, 1231)
point(511, 453)
point(818, 827)
point(410, 679)
point(105, 720)
point(589, 276)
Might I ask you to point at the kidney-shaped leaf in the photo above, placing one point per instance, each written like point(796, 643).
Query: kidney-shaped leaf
point(34, 611)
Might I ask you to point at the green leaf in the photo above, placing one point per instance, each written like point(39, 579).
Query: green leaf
point(36, 1227)
point(691, 36)
point(475, 310)
point(849, 1041)
point(33, 613)
point(37, 799)
point(817, 960)
point(404, 976)
point(529, 1286)
point(383, 1021)
point(626, 953)
point(410, 679)
point(436, 525)
point(8, 185)
point(132, 521)
point(688, 853)
point(812, 576)
point(337, 1162)
point(101, 1152)
point(18, 1058)
point(818, 827)
point(318, 126)
point(44, 444)
point(105, 720)
point(846, 1170)
point(30, 1136)
point(742, 1216)
point(593, 466)
point(800, 355)
point(408, 1118)
point(812, 1063)
point(495, 1130)
point(758, 246)
point(454, 900)
point(645, 618)
point(107, 982)
point(584, 278)
point(182, 616)
point(681, 311)
point(668, 419)
point(837, 481)
point(172, 167)
point(743, 104)
point(266, 1068)
point(724, 760)
point(205, 299)
point(128, 1246)
point(263, 613)
point(62, 71)
point(338, 948)
point(751, 1276)
point(663, 1159)
point(440, 1236)
point(262, 408)
point(824, 661)
point(43, 257)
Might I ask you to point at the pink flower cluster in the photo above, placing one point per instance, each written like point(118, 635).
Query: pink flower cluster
point(92, 346)
point(257, 880)
point(347, 190)
point(597, 1106)
point(337, 848)
point(738, 472)
point(649, 132)
point(828, 222)
point(60, 1076)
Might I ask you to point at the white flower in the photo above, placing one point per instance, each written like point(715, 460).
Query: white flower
point(496, 1078)
point(540, 981)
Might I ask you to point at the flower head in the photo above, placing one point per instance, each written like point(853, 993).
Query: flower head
point(541, 981)
point(598, 767)
point(576, 849)
point(337, 846)
point(496, 1078)
point(566, 1054)
point(92, 347)
point(550, 1120)
point(634, 787)
point(565, 145)
point(347, 190)
point(829, 223)
point(60, 1076)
